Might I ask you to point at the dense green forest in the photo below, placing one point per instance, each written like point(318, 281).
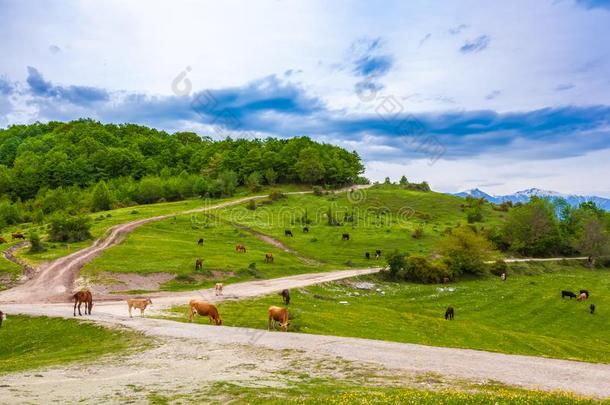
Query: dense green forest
point(85, 165)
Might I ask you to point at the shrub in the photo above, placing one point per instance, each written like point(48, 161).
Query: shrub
point(396, 263)
point(251, 205)
point(69, 229)
point(318, 191)
point(275, 195)
point(465, 251)
point(498, 267)
point(422, 270)
point(418, 232)
point(36, 245)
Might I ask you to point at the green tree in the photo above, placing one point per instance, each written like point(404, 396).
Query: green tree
point(36, 245)
point(309, 166)
point(593, 238)
point(465, 251)
point(396, 263)
point(101, 200)
point(403, 181)
point(532, 229)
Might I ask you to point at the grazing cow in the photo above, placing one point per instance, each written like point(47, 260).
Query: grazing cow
point(445, 280)
point(277, 314)
point(592, 308)
point(218, 288)
point(503, 276)
point(286, 296)
point(565, 293)
point(268, 257)
point(377, 254)
point(240, 248)
point(2, 318)
point(584, 292)
point(2, 240)
point(305, 229)
point(582, 297)
point(449, 314)
point(17, 235)
point(288, 232)
point(139, 303)
point(367, 255)
point(200, 242)
point(83, 296)
point(204, 309)
point(345, 236)
point(199, 264)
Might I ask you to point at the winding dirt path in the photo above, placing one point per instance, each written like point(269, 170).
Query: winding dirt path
point(54, 281)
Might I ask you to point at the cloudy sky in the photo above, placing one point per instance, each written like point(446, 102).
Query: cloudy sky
point(497, 95)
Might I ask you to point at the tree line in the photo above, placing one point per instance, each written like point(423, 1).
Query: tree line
point(84, 165)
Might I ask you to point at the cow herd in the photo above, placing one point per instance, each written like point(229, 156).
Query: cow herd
point(583, 295)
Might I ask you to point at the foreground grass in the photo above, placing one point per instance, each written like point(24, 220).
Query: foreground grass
point(171, 246)
point(524, 315)
point(328, 391)
point(34, 342)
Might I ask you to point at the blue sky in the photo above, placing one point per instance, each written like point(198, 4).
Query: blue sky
point(501, 96)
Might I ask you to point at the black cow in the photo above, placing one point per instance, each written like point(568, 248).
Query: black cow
point(305, 229)
point(367, 255)
point(570, 294)
point(288, 232)
point(200, 242)
point(345, 236)
point(449, 314)
point(377, 254)
point(286, 296)
point(585, 292)
point(592, 308)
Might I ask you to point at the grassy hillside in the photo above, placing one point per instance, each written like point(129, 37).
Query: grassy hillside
point(171, 246)
point(384, 218)
point(524, 315)
point(34, 342)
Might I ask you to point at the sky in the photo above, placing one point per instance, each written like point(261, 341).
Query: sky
point(502, 96)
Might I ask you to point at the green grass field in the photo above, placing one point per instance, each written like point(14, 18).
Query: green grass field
point(384, 218)
point(171, 246)
point(329, 391)
point(34, 342)
point(524, 315)
point(8, 269)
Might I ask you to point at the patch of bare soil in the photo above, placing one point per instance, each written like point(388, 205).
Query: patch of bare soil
point(111, 283)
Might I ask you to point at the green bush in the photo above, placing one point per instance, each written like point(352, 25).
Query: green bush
point(251, 205)
point(418, 232)
point(275, 195)
point(420, 269)
point(318, 191)
point(69, 229)
point(498, 267)
point(36, 245)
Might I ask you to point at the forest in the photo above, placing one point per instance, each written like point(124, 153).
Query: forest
point(84, 165)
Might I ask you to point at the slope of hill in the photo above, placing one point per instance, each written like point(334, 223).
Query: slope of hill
point(524, 196)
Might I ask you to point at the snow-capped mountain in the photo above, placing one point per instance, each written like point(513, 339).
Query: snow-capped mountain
point(525, 195)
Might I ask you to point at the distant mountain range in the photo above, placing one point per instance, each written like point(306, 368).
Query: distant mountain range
point(524, 196)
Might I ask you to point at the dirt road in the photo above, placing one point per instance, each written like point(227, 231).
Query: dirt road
point(525, 371)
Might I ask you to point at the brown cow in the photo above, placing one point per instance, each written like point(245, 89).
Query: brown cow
point(83, 296)
point(277, 314)
point(139, 303)
point(218, 288)
point(240, 248)
point(3, 317)
point(268, 257)
point(204, 308)
point(17, 235)
point(2, 240)
point(582, 297)
point(198, 264)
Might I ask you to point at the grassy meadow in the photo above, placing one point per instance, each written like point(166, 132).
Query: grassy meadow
point(524, 315)
point(331, 391)
point(34, 342)
point(171, 246)
point(384, 217)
